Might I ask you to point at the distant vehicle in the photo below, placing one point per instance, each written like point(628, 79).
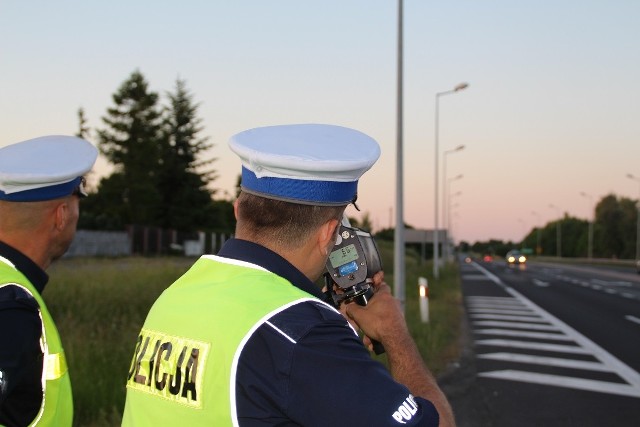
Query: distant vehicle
point(515, 257)
point(487, 258)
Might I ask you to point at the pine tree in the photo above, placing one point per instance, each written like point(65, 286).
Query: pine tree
point(83, 129)
point(184, 175)
point(132, 141)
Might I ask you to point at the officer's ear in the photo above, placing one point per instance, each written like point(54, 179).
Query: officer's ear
point(235, 209)
point(327, 236)
point(61, 215)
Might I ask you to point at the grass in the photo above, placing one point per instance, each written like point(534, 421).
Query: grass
point(99, 306)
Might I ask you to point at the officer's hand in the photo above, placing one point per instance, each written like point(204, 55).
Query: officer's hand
point(381, 319)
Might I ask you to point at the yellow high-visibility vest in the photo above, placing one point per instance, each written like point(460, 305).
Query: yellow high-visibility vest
point(183, 371)
point(57, 401)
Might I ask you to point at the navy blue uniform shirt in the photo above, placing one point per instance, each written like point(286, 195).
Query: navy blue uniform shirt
point(306, 366)
point(20, 352)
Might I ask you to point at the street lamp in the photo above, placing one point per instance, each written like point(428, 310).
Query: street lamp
point(538, 247)
point(445, 190)
point(590, 251)
point(630, 176)
point(445, 220)
point(436, 267)
point(558, 232)
point(449, 222)
point(399, 245)
point(451, 206)
point(445, 195)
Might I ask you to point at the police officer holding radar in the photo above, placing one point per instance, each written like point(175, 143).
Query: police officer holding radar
point(245, 337)
point(40, 184)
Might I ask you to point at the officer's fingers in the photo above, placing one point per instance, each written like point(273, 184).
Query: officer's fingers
point(378, 278)
point(367, 342)
point(353, 311)
point(382, 288)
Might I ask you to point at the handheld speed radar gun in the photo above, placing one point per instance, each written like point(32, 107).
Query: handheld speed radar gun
point(351, 265)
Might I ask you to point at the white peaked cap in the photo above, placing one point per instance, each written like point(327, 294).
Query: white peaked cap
point(304, 163)
point(44, 168)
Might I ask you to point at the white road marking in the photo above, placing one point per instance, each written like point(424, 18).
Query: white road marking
point(540, 283)
point(560, 381)
point(474, 277)
point(499, 311)
point(632, 319)
point(573, 349)
point(584, 346)
point(523, 334)
point(506, 317)
point(517, 325)
point(607, 283)
point(546, 361)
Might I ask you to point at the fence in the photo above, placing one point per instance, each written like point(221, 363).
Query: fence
point(146, 241)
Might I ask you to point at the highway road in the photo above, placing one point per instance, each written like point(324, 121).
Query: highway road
point(548, 344)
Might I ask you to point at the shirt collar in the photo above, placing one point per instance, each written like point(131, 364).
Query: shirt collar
point(25, 265)
point(254, 253)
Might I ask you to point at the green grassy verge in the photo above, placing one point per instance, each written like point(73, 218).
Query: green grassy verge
point(99, 306)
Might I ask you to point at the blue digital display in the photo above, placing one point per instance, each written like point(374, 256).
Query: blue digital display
point(347, 269)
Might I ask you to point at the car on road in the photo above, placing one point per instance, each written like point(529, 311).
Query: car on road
point(515, 257)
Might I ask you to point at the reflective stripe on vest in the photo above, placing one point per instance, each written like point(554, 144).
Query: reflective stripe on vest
point(210, 312)
point(57, 402)
point(56, 365)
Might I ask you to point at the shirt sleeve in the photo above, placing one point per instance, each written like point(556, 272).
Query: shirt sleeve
point(325, 376)
point(20, 356)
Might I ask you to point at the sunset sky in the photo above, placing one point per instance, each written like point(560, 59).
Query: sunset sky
point(552, 108)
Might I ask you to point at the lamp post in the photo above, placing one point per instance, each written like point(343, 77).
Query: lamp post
point(398, 253)
point(630, 176)
point(450, 207)
point(445, 220)
point(558, 232)
point(590, 250)
point(436, 267)
point(445, 194)
point(538, 247)
point(450, 212)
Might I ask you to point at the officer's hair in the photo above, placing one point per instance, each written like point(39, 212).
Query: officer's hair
point(284, 224)
point(24, 216)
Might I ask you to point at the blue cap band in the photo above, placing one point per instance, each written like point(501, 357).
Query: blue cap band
point(300, 190)
point(44, 193)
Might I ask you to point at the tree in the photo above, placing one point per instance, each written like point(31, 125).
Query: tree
point(83, 129)
point(614, 230)
point(364, 223)
point(132, 142)
point(181, 178)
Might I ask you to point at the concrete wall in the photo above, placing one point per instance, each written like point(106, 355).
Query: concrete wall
point(100, 243)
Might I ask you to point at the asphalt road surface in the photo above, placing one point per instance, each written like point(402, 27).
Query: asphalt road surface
point(548, 344)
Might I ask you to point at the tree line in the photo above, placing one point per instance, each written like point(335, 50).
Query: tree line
point(614, 236)
point(161, 174)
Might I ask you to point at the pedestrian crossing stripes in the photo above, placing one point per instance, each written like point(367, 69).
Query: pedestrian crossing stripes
point(536, 347)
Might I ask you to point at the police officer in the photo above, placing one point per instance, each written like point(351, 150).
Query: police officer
point(40, 184)
point(245, 338)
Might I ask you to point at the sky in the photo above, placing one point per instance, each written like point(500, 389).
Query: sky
point(552, 109)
